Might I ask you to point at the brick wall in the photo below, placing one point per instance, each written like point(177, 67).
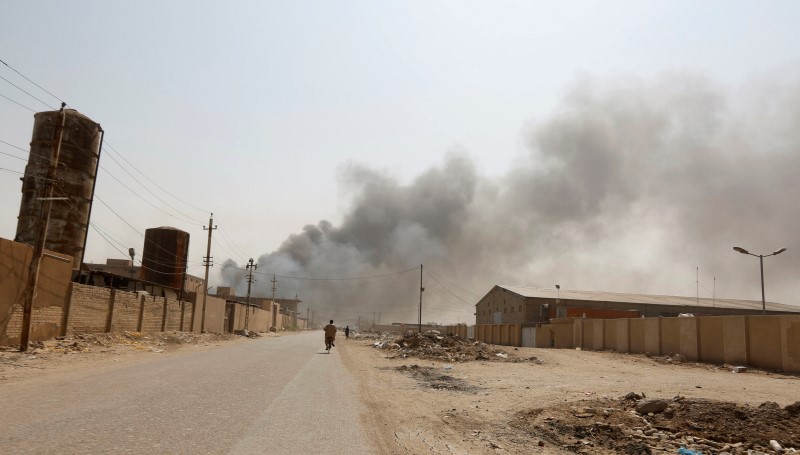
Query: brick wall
point(126, 312)
point(173, 316)
point(13, 324)
point(88, 312)
point(152, 310)
point(188, 313)
point(52, 292)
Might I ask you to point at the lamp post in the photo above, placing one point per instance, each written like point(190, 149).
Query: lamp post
point(558, 300)
point(761, 261)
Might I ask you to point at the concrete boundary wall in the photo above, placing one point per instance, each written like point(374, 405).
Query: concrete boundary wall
point(502, 334)
point(769, 342)
point(94, 309)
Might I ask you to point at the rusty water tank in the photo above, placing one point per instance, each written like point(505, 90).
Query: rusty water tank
point(166, 250)
point(74, 178)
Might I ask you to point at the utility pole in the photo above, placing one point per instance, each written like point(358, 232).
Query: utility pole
point(421, 290)
point(41, 235)
point(274, 308)
point(697, 293)
point(207, 259)
point(250, 280)
point(379, 319)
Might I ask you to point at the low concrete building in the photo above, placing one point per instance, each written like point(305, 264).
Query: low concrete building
point(521, 304)
point(122, 274)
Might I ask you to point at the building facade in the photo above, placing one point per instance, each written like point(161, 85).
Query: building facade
point(521, 304)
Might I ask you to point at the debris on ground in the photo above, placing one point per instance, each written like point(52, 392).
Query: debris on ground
point(434, 345)
point(636, 425)
point(430, 377)
point(40, 354)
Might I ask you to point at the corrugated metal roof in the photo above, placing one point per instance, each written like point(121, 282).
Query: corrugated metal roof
point(598, 296)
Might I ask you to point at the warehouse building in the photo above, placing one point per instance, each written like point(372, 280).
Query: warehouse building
point(521, 304)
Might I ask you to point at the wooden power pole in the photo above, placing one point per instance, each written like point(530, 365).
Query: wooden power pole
point(250, 280)
point(207, 259)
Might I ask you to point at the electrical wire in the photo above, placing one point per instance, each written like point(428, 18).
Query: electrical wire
point(17, 103)
point(448, 290)
point(34, 83)
point(196, 221)
point(11, 170)
point(225, 236)
point(347, 278)
point(13, 156)
point(454, 284)
point(153, 182)
point(23, 91)
point(14, 146)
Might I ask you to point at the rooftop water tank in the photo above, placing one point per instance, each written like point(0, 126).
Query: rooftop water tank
point(164, 257)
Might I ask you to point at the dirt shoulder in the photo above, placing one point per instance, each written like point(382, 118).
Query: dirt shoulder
point(85, 351)
point(566, 401)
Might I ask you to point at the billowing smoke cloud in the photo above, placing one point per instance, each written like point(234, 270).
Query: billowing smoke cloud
point(627, 187)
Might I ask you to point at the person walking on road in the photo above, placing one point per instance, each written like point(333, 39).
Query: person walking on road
point(347, 333)
point(330, 335)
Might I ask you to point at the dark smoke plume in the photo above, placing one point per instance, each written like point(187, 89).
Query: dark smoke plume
point(627, 187)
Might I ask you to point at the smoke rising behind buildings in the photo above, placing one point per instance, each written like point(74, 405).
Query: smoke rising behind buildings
point(628, 186)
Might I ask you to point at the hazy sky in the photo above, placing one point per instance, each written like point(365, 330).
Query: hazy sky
point(277, 115)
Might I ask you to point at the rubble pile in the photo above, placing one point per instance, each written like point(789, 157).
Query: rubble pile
point(102, 342)
point(433, 345)
point(635, 424)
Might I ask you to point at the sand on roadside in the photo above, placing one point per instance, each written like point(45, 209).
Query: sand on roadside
point(480, 406)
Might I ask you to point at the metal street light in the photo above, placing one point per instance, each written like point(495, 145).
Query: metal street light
point(558, 300)
point(761, 261)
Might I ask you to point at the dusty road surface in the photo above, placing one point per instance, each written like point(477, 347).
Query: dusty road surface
point(282, 395)
point(277, 395)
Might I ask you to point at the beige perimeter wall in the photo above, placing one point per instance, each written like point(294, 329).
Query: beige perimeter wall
point(769, 342)
point(63, 308)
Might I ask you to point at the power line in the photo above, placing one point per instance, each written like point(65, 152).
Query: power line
point(197, 222)
point(11, 170)
point(153, 182)
point(14, 146)
point(17, 103)
point(349, 278)
point(34, 83)
point(23, 91)
point(231, 243)
point(13, 156)
point(456, 285)
point(448, 290)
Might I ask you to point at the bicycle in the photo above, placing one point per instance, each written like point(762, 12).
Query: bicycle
point(328, 344)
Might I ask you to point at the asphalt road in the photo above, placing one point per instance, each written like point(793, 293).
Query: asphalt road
point(279, 395)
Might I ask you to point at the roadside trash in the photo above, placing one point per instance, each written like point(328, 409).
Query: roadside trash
point(500, 354)
point(448, 367)
point(739, 369)
point(685, 451)
point(775, 446)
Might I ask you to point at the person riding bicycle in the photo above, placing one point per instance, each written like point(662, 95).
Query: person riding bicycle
point(330, 334)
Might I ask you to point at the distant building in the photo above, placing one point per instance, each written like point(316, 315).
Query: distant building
point(522, 304)
point(122, 274)
point(287, 306)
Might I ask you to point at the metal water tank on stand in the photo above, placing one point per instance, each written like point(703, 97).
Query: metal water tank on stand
point(164, 257)
point(75, 176)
